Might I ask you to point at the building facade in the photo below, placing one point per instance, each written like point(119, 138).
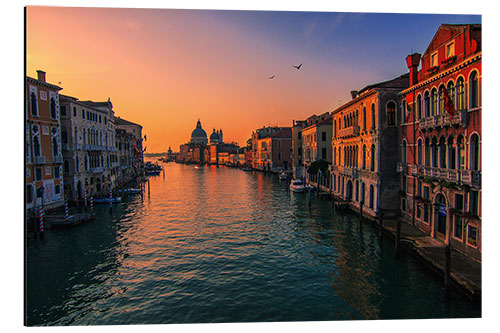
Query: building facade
point(364, 154)
point(44, 159)
point(440, 145)
point(89, 147)
point(316, 144)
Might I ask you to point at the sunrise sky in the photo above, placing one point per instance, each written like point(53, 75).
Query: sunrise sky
point(164, 69)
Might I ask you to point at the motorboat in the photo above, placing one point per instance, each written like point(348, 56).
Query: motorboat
point(297, 186)
point(283, 176)
point(308, 187)
point(246, 169)
point(130, 191)
point(106, 200)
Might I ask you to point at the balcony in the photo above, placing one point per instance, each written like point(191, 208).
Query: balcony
point(112, 148)
point(349, 132)
point(470, 177)
point(65, 146)
point(369, 175)
point(94, 147)
point(57, 159)
point(97, 170)
point(38, 159)
point(443, 120)
point(78, 146)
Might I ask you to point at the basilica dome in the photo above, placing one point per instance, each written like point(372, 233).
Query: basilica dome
point(199, 135)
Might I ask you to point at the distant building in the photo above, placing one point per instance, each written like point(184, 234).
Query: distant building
point(316, 145)
point(44, 159)
point(196, 150)
point(260, 153)
point(440, 150)
point(171, 156)
point(135, 130)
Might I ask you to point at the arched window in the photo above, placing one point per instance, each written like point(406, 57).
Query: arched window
point(427, 104)
point(427, 153)
point(419, 152)
point(334, 131)
point(403, 152)
point(372, 158)
point(372, 197)
point(403, 112)
point(53, 113)
point(55, 150)
point(357, 191)
point(442, 153)
point(452, 154)
point(451, 90)
point(440, 99)
point(460, 104)
point(474, 152)
point(66, 166)
point(373, 116)
point(77, 164)
point(362, 192)
point(34, 104)
point(434, 152)
point(36, 146)
point(357, 118)
point(391, 114)
point(434, 102)
point(364, 118)
point(461, 152)
point(334, 155)
point(474, 90)
point(419, 107)
point(357, 156)
point(364, 158)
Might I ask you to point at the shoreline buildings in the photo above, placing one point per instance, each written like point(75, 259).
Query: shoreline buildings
point(72, 149)
point(365, 150)
point(43, 159)
point(440, 146)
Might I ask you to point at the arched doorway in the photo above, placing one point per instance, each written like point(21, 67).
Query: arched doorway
point(440, 215)
point(79, 191)
point(348, 192)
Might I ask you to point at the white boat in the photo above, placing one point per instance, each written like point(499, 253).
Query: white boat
point(106, 200)
point(130, 191)
point(297, 186)
point(283, 176)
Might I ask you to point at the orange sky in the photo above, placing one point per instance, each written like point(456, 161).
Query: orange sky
point(164, 69)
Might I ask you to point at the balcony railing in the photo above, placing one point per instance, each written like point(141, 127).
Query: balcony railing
point(38, 159)
point(443, 119)
point(65, 146)
point(97, 170)
point(471, 177)
point(348, 132)
point(112, 148)
point(94, 147)
point(78, 146)
point(372, 175)
point(57, 159)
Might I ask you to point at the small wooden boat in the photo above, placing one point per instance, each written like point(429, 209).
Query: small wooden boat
point(130, 191)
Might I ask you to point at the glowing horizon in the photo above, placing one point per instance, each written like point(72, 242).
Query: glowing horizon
point(164, 69)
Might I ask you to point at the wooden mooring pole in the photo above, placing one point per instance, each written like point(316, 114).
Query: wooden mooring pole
point(380, 225)
point(397, 244)
point(447, 269)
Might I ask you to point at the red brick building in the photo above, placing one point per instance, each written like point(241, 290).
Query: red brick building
point(440, 143)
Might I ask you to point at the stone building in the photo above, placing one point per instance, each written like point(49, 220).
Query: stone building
point(365, 155)
point(440, 144)
point(44, 159)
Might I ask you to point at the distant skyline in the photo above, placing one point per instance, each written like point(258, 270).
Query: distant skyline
point(164, 68)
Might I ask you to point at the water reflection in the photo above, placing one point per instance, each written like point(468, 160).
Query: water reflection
point(222, 245)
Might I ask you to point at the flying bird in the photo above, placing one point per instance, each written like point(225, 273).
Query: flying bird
point(298, 67)
point(271, 77)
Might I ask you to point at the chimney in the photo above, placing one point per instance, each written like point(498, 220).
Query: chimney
point(412, 61)
point(41, 75)
point(354, 94)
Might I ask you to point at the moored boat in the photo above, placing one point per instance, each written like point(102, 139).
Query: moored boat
point(106, 200)
point(297, 186)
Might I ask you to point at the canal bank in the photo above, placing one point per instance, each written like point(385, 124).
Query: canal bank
point(465, 272)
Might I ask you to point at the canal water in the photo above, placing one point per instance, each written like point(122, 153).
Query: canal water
point(223, 245)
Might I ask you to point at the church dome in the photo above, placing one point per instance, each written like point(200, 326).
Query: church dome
point(199, 135)
point(214, 137)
